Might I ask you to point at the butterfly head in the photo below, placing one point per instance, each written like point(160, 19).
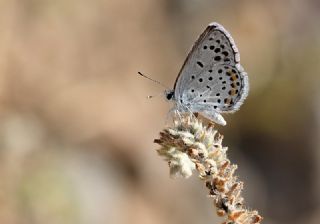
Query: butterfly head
point(169, 94)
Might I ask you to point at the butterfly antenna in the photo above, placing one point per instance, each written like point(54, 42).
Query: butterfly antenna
point(152, 96)
point(155, 81)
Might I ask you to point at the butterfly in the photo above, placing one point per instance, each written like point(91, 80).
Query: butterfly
point(211, 81)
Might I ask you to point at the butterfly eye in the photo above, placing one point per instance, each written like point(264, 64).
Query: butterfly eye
point(169, 95)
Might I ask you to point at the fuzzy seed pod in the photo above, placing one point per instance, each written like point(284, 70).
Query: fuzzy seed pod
point(190, 145)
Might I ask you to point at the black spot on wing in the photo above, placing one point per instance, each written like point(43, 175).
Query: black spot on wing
point(200, 64)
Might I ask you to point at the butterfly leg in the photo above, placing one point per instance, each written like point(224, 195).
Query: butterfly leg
point(192, 114)
point(173, 113)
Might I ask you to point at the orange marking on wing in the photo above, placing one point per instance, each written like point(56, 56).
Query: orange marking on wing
point(233, 77)
point(228, 101)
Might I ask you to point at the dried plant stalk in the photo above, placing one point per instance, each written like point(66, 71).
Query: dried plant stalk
point(190, 145)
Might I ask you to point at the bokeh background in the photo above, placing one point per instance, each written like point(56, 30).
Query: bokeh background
point(76, 129)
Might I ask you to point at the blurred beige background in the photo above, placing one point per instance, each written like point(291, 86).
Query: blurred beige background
point(76, 129)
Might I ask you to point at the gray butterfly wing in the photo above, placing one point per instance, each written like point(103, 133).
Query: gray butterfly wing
point(212, 79)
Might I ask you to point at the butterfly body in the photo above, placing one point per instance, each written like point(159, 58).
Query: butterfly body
point(211, 80)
